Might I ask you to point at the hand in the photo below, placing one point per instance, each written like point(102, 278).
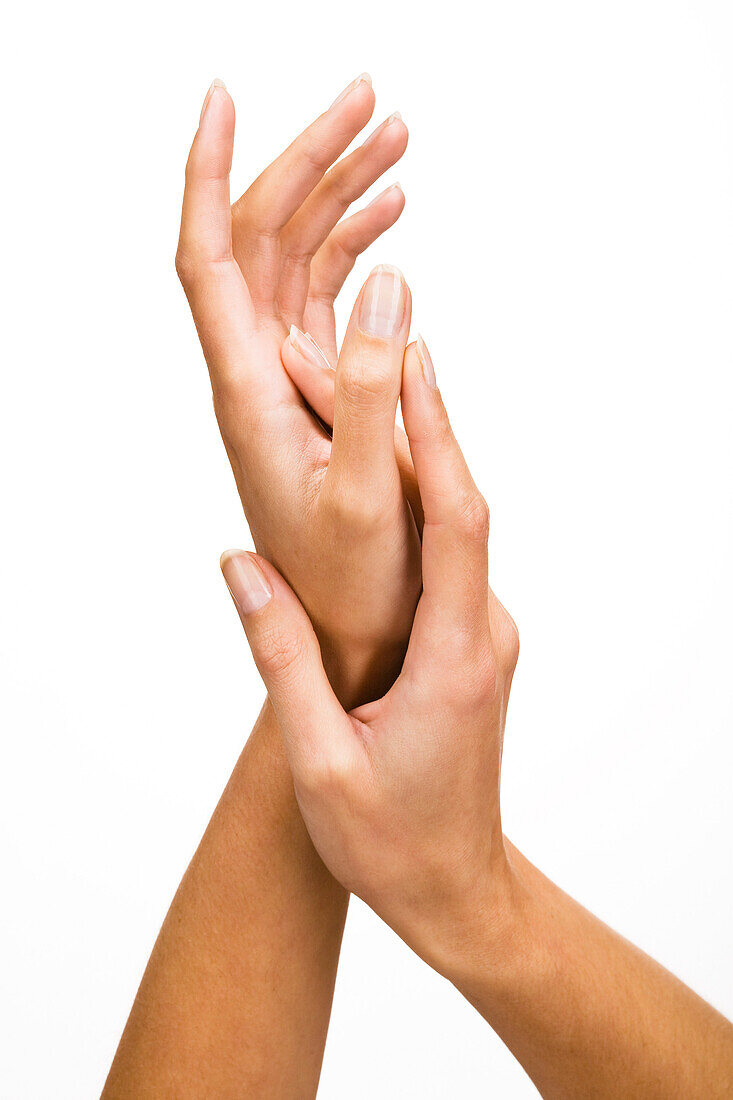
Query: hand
point(330, 514)
point(401, 797)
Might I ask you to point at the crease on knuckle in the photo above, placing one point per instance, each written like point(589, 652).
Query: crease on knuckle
point(366, 383)
point(185, 266)
point(349, 511)
point(473, 518)
point(339, 190)
point(315, 153)
point(280, 653)
point(343, 245)
point(327, 774)
point(478, 676)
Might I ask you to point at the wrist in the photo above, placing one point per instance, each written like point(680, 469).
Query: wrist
point(502, 943)
point(482, 930)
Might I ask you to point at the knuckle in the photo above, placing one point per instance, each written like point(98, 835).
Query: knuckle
point(473, 518)
point(327, 775)
point(280, 653)
point(472, 678)
point(366, 381)
point(481, 678)
point(338, 186)
point(314, 152)
point(185, 267)
point(349, 511)
point(508, 643)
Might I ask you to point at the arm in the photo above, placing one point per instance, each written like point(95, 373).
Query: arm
point(237, 993)
point(401, 798)
point(585, 1012)
point(236, 997)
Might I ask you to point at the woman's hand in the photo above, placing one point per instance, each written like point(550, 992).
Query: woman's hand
point(401, 797)
point(330, 513)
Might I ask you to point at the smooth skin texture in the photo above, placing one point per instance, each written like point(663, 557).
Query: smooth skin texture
point(332, 509)
point(273, 260)
point(236, 997)
point(401, 798)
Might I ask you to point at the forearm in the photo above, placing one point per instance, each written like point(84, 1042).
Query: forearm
point(237, 995)
point(585, 1012)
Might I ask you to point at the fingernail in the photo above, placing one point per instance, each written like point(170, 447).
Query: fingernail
point(382, 308)
point(392, 187)
point(245, 580)
point(212, 87)
point(362, 78)
point(396, 117)
point(304, 343)
point(426, 363)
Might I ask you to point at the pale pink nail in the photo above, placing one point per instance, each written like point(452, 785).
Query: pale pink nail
point(382, 306)
point(426, 362)
point(380, 196)
point(245, 580)
point(362, 78)
point(212, 88)
point(304, 343)
point(396, 117)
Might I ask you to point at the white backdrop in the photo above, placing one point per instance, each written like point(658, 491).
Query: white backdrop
point(568, 238)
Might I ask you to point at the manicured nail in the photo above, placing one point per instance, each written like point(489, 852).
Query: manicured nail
point(396, 117)
point(212, 88)
point(426, 363)
point(304, 343)
point(392, 187)
point(362, 78)
point(382, 307)
point(245, 580)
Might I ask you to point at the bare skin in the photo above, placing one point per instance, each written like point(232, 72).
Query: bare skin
point(237, 994)
point(401, 795)
point(276, 259)
point(401, 798)
point(217, 1002)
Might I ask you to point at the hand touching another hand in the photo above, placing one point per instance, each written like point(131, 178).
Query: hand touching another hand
point(401, 797)
point(331, 514)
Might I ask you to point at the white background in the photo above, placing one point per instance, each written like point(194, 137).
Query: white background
point(568, 238)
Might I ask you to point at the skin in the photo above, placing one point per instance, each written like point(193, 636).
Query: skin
point(210, 1018)
point(276, 259)
point(401, 798)
point(331, 507)
point(402, 795)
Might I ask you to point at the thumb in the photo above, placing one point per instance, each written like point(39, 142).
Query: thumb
point(288, 657)
point(367, 385)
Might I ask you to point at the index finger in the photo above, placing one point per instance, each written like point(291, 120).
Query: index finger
point(456, 527)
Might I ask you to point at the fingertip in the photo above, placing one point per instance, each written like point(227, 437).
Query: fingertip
point(363, 93)
point(356, 103)
point(419, 391)
point(399, 125)
point(411, 373)
point(225, 557)
point(383, 307)
point(246, 580)
point(426, 362)
point(418, 364)
point(398, 195)
point(218, 106)
point(213, 146)
point(305, 347)
point(391, 200)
